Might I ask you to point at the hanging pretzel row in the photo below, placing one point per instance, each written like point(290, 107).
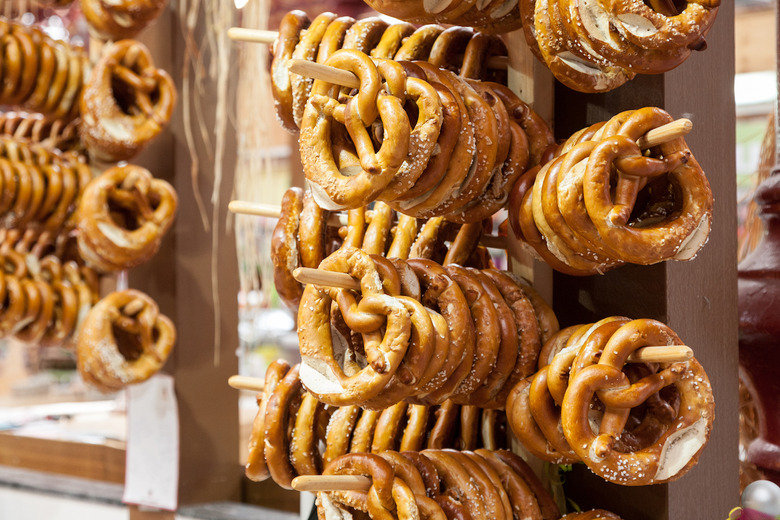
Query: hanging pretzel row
point(434, 485)
point(294, 434)
point(419, 332)
point(36, 128)
point(303, 238)
point(457, 48)
point(123, 216)
point(112, 20)
point(597, 45)
point(124, 340)
point(39, 73)
point(634, 424)
point(425, 122)
point(43, 301)
point(39, 187)
point(127, 102)
point(602, 201)
point(492, 16)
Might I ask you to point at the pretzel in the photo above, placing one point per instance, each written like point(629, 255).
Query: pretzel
point(413, 438)
point(64, 317)
point(378, 229)
point(388, 428)
point(117, 125)
point(442, 434)
point(494, 17)
point(418, 46)
point(340, 428)
point(523, 502)
point(111, 21)
point(39, 311)
point(14, 302)
point(312, 231)
point(403, 238)
point(364, 34)
point(372, 466)
point(678, 448)
point(281, 83)
point(456, 480)
point(363, 433)
point(307, 49)
point(276, 440)
point(331, 188)
point(320, 372)
point(469, 427)
point(147, 207)
point(477, 53)
point(493, 496)
point(392, 40)
point(256, 468)
point(304, 451)
point(465, 242)
point(449, 49)
point(547, 505)
point(114, 361)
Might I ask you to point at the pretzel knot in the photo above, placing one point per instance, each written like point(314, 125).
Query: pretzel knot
point(684, 434)
point(115, 20)
point(122, 217)
point(126, 102)
point(124, 340)
point(349, 175)
point(368, 465)
point(383, 321)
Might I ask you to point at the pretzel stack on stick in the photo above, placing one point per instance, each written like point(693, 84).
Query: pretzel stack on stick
point(416, 331)
point(35, 128)
point(459, 49)
point(632, 424)
point(420, 138)
point(609, 197)
point(294, 434)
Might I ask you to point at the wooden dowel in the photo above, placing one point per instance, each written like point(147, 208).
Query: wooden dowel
point(333, 75)
point(242, 34)
point(325, 278)
point(666, 354)
point(316, 483)
point(493, 241)
point(667, 132)
point(246, 383)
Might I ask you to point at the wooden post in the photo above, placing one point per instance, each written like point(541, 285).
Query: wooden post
point(697, 299)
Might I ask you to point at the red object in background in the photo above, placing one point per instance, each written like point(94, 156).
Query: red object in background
point(752, 514)
point(759, 330)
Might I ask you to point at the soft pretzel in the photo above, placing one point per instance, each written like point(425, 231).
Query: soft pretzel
point(256, 468)
point(111, 21)
point(276, 440)
point(307, 49)
point(147, 207)
point(593, 514)
point(117, 123)
point(112, 361)
point(495, 16)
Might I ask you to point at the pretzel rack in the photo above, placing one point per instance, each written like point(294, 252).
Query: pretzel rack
point(697, 299)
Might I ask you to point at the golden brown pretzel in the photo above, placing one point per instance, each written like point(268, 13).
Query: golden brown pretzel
point(114, 361)
point(284, 248)
point(289, 35)
point(664, 460)
point(392, 39)
point(340, 428)
point(307, 49)
point(365, 34)
point(523, 502)
point(546, 503)
point(304, 451)
point(403, 238)
point(378, 229)
point(593, 514)
point(388, 428)
point(112, 20)
point(477, 53)
point(442, 433)
point(312, 230)
point(418, 45)
point(333, 38)
point(320, 372)
point(331, 188)
point(256, 468)
point(147, 206)
point(456, 482)
point(277, 416)
point(469, 428)
point(449, 48)
point(111, 132)
point(416, 429)
point(373, 466)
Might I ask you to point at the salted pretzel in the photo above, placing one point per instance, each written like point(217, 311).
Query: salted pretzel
point(332, 189)
point(307, 49)
point(124, 340)
point(126, 103)
point(276, 439)
point(593, 514)
point(495, 16)
point(256, 468)
point(53, 133)
point(123, 216)
point(110, 21)
point(686, 433)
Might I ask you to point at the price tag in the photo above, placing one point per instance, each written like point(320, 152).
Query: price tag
point(152, 460)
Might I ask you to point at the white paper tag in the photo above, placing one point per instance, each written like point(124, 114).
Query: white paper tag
point(152, 459)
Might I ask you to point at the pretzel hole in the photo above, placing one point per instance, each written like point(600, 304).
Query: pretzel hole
point(659, 200)
point(126, 96)
point(128, 344)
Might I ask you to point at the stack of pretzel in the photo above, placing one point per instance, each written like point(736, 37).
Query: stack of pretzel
point(43, 300)
point(459, 49)
point(39, 187)
point(419, 332)
point(295, 434)
point(33, 127)
point(438, 485)
point(122, 218)
point(304, 236)
point(124, 340)
point(111, 20)
point(597, 45)
point(39, 73)
point(602, 201)
point(492, 16)
point(634, 425)
point(447, 146)
point(127, 102)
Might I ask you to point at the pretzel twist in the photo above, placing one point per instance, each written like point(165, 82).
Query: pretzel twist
point(127, 102)
point(112, 20)
point(110, 361)
point(123, 216)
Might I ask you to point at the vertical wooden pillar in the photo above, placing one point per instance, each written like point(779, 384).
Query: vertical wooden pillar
point(697, 299)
